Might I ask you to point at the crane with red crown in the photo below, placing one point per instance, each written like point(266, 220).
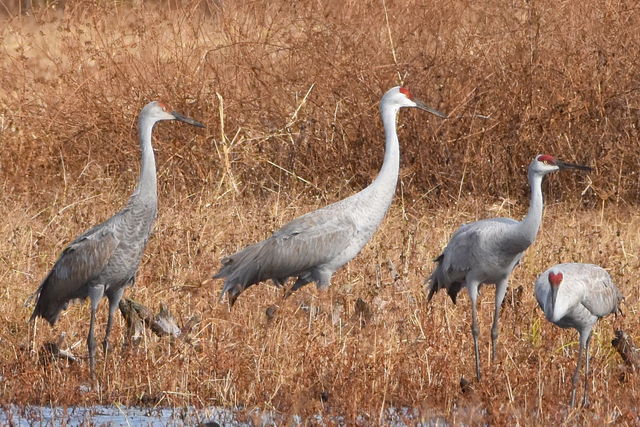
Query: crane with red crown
point(487, 251)
point(576, 295)
point(313, 246)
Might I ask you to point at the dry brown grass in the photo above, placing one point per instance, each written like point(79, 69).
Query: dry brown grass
point(556, 77)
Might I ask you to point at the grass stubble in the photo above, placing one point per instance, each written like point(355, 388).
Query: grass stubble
point(290, 96)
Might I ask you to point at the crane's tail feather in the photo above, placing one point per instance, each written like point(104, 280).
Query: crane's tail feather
point(47, 306)
point(240, 271)
point(433, 288)
point(50, 312)
point(437, 281)
point(232, 293)
point(432, 281)
point(453, 290)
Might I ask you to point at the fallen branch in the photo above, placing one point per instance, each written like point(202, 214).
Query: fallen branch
point(138, 316)
point(627, 349)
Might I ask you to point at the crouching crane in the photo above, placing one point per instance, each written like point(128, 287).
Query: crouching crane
point(104, 260)
point(575, 296)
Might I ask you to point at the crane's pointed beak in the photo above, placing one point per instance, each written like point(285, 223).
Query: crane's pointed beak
point(565, 165)
point(421, 105)
point(554, 298)
point(186, 119)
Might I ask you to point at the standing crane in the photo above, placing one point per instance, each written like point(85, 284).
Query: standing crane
point(487, 251)
point(104, 259)
point(575, 296)
point(313, 246)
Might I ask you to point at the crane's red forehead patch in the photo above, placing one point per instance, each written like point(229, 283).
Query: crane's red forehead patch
point(555, 278)
point(545, 158)
point(405, 92)
point(164, 106)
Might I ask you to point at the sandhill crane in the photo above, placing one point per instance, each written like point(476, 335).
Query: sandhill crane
point(486, 251)
point(313, 246)
point(575, 296)
point(104, 260)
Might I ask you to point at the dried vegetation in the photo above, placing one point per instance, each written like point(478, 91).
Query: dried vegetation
point(289, 92)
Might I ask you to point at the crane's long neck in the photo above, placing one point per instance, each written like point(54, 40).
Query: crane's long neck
point(147, 183)
point(387, 178)
point(530, 225)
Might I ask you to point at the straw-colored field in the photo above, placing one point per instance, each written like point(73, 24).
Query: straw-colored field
point(290, 93)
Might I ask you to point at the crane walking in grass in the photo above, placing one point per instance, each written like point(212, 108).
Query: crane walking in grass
point(104, 260)
point(575, 296)
point(487, 251)
point(312, 247)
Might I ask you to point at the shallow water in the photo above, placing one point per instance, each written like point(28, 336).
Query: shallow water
point(15, 415)
point(114, 416)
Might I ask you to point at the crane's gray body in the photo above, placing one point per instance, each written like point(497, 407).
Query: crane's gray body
point(312, 247)
point(484, 251)
point(106, 256)
point(487, 251)
point(585, 294)
point(105, 259)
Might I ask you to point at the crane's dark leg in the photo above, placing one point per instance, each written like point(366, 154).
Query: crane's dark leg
point(501, 290)
point(95, 295)
point(585, 398)
point(114, 300)
point(472, 288)
point(576, 374)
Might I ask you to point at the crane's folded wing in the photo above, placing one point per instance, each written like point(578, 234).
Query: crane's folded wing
point(460, 254)
point(304, 243)
point(82, 260)
point(602, 297)
point(311, 241)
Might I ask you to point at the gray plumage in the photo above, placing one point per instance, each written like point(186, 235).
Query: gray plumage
point(104, 259)
point(313, 246)
point(575, 296)
point(487, 251)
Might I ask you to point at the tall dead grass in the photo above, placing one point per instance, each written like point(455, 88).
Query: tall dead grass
point(290, 95)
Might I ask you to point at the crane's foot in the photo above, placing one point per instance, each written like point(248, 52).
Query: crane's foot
point(232, 299)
